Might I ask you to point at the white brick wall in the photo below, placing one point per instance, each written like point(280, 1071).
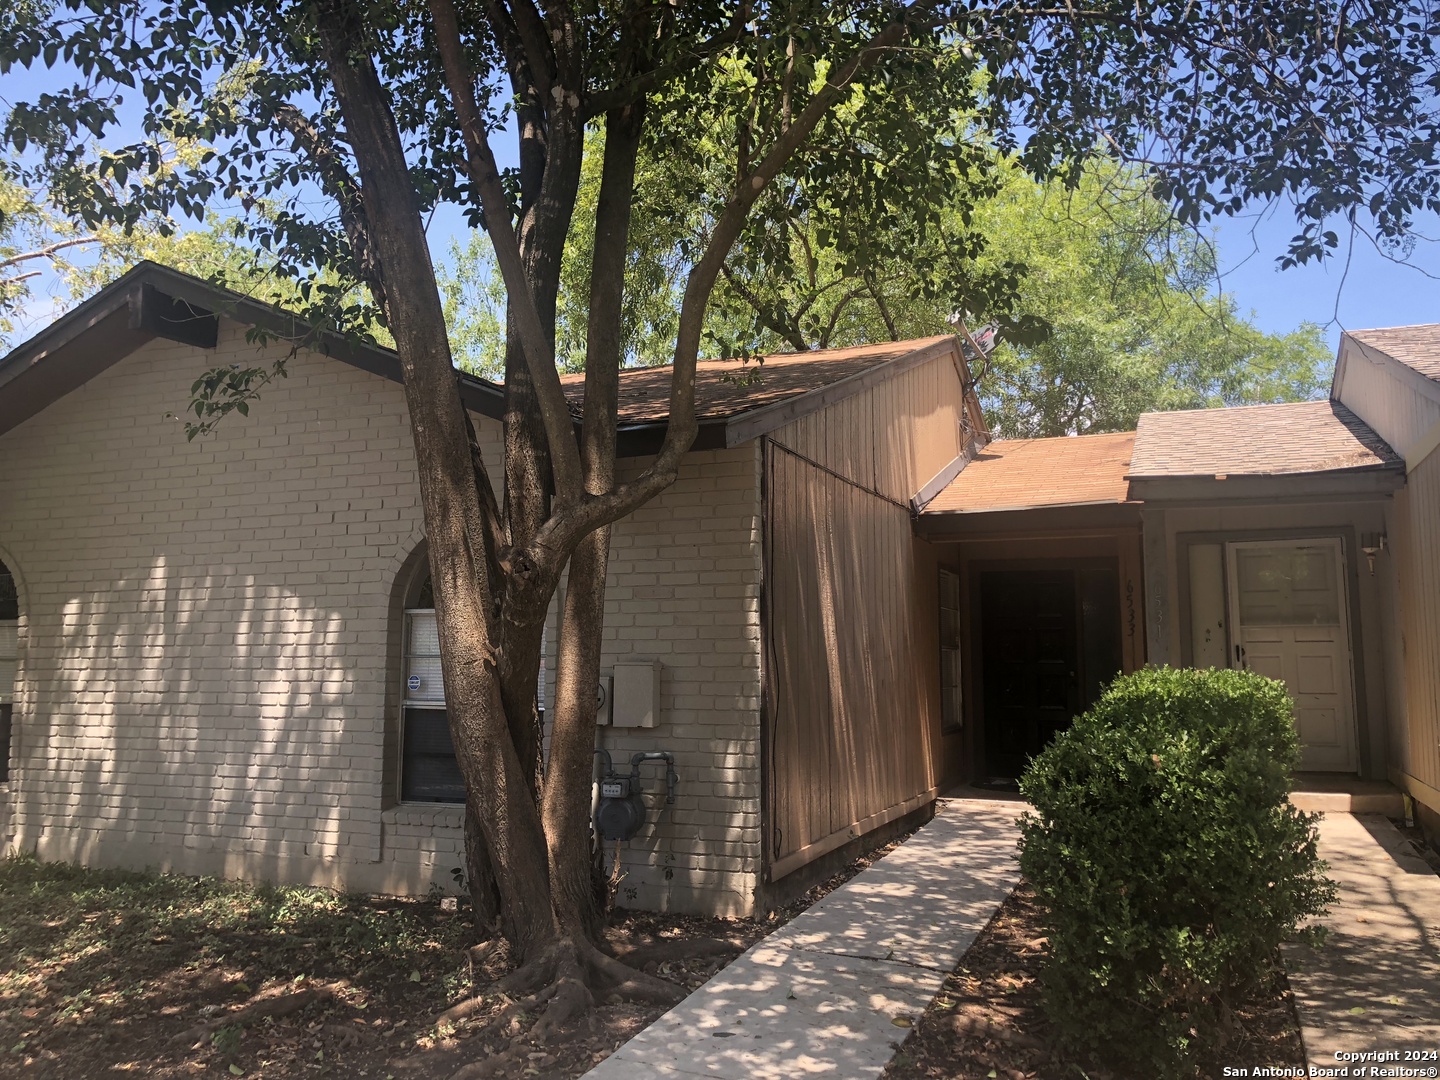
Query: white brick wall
point(684, 589)
point(208, 640)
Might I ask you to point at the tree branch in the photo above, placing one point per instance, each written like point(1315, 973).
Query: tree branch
point(534, 340)
point(335, 178)
point(879, 298)
point(562, 531)
point(49, 251)
point(789, 331)
point(602, 102)
point(838, 310)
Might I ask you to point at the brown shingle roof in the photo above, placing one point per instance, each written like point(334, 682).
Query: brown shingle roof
point(1257, 440)
point(1416, 347)
point(1019, 474)
point(725, 388)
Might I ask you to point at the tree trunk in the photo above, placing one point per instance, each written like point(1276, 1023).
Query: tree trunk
point(480, 876)
point(454, 527)
point(572, 748)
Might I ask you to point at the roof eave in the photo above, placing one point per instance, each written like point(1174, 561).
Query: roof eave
point(120, 318)
point(1366, 480)
point(1055, 519)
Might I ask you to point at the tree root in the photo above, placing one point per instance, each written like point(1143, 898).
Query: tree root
point(626, 982)
point(508, 1062)
point(280, 1005)
point(500, 1019)
point(562, 984)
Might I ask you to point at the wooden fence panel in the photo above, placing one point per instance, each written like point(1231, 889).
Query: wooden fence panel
point(851, 725)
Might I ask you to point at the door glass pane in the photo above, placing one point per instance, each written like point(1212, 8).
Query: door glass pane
point(1288, 586)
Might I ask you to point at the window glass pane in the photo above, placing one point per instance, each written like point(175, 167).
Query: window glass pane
point(4, 743)
point(8, 649)
point(423, 681)
point(9, 599)
point(429, 772)
point(1288, 586)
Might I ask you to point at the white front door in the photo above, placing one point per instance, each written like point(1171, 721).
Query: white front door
point(1289, 622)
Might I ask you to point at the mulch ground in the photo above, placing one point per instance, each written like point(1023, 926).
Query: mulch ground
point(987, 1020)
point(115, 973)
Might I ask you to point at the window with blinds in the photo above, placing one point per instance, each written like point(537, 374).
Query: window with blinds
point(428, 770)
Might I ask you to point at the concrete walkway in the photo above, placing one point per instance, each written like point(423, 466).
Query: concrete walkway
point(820, 996)
point(1375, 984)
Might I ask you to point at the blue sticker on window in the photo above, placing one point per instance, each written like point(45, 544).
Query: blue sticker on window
point(413, 683)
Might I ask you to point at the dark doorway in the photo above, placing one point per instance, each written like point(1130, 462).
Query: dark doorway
point(1049, 642)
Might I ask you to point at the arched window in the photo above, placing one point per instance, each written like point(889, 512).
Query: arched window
point(9, 648)
point(428, 770)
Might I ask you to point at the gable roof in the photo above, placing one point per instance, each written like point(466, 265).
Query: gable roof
point(726, 388)
point(1258, 440)
point(150, 301)
point(1026, 474)
point(735, 402)
point(1417, 347)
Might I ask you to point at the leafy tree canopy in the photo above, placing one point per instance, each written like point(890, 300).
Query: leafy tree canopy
point(1110, 306)
point(1135, 319)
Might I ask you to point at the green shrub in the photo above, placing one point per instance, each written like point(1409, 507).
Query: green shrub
point(1169, 860)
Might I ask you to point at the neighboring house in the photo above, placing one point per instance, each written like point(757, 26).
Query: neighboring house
point(224, 656)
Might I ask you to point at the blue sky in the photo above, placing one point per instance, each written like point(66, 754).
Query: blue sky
point(1357, 288)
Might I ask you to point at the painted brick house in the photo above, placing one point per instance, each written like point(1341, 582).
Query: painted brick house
point(215, 655)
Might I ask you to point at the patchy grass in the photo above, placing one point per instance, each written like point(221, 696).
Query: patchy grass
point(113, 972)
point(107, 967)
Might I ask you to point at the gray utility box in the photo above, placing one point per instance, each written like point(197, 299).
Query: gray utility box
point(635, 698)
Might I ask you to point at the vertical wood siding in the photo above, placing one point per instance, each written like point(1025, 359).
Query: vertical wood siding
point(1418, 551)
point(853, 718)
point(1385, 396)
point(892, 438)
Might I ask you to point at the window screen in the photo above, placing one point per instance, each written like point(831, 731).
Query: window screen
point(9, 597)
point(428, 770)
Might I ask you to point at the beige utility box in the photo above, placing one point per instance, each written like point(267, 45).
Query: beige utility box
point(635, 700)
